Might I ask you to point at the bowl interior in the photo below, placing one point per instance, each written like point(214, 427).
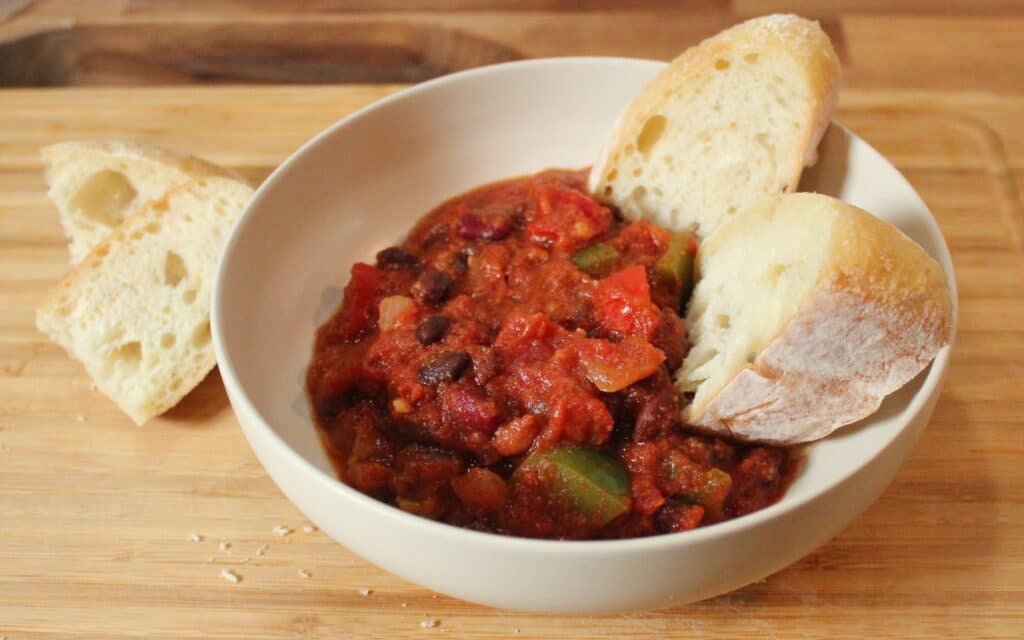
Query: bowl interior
point(359, 186)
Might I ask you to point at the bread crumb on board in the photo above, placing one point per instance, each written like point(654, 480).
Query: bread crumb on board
point(262, 550)
point(225, 546)
point(282, 530)
point(195, 537)
point(429, 623)
point(305, 574)
point(230, 576)
point(81, 418)
point(309, 528)
point(365, 592)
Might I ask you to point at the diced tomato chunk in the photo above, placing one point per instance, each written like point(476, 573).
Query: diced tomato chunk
point(581, 419)
point(516, 435)
point(481, 490)
point(359, 312)
point(624, 305)
point(565, 219)
point(520, 332)
point(614, 366)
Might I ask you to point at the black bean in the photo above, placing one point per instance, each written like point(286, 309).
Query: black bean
point(396, 258)
point(446, 366)
point(432, 287)
point(432, 329)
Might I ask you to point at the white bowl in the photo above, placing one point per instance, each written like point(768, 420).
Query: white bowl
point(360, 185)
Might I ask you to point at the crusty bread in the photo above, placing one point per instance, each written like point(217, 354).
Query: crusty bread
point(732, 119)
point(807, 313)
point(136, 311)
point(97, 185)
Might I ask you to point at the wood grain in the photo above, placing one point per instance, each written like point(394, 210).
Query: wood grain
point(884, 45)
point(95, 514)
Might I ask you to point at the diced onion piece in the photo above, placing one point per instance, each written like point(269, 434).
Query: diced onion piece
point(614, 366)
point(395, 311)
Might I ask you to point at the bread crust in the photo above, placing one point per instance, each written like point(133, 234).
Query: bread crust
point(192, 166)
point(878, 314)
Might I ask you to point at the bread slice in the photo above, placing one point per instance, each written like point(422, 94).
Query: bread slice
point(136, 311)
point(97, 185)
point(732, 119)
point(807, 313)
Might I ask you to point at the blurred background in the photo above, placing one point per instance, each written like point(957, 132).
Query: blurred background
point(897, 44)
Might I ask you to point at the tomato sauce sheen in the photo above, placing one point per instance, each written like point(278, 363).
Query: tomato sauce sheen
point(508, 369)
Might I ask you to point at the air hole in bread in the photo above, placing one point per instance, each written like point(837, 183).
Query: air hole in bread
point(629, 149)
point(731, 209)
point(658, 192)
point(137, 235)
point(638, 194)
point(637, 172)
point(102, 251)
point(174, 385)
point(723, 321)
point(773, 272)
point(608, 191)
point(104, 197)
point(650, 133)
point(750, 58)
point(152, 227)
point(668, 159)
point(127, 355)
point(174, 269)
point(614, 173)
point(167, 340)
point(722, 64)
point(189, 296)
point(201, 336)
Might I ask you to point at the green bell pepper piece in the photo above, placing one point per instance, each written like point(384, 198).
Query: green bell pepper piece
point(593, 483)
point(595, 258)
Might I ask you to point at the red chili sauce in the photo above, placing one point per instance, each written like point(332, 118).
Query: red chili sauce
point(509, 369)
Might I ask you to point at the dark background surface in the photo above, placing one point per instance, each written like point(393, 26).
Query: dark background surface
point(928, 44)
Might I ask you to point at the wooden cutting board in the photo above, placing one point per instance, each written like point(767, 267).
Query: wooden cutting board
point(96, 514)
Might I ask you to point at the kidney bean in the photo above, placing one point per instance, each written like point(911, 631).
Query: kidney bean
point(432, 287)
point(446, 366)
point(432, 329)
point(474, 227)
